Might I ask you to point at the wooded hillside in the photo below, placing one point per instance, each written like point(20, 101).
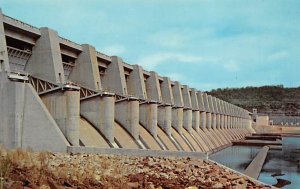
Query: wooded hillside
point(267, 99)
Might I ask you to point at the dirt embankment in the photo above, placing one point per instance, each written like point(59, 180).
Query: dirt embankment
point(26, 169)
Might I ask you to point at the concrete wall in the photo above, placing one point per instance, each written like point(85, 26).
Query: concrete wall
point(262, 120)
point(285, 120)
point(25, 121)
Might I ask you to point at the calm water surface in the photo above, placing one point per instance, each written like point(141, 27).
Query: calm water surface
point(236, 157)
point(285, 161)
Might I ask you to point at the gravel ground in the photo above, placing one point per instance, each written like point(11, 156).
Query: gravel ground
point(26, 169)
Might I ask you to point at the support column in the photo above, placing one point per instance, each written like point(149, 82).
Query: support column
point(203, 131)
point(225, 122)
point(203, 120)
point(127, 114)
point(177, 112)
point(202, 112)
point(4, 62)
point(165, 118)
point(177, 119)
point(208, 111)
point(215, 111)
point(64, 106)
point(148, 109)
point(100, 111)
point(148, 117)
point(222, 122)
point(187, 111)
point(165, 110)
point(196, 112)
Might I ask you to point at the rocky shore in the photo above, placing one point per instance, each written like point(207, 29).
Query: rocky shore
point(26, 169)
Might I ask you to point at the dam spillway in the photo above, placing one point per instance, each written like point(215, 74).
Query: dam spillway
point(55, 93)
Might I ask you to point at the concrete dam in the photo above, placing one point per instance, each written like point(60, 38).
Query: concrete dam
point(55, 93)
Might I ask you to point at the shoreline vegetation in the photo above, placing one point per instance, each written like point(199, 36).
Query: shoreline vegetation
point(275, 100)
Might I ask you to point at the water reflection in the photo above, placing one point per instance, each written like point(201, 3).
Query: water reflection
point(236, 157)
point(282, 164)
point(285, 162)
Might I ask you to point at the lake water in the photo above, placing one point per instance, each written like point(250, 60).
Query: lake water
point(284, 163)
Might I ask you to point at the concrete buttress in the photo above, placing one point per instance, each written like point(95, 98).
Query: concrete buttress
point(85, 71)
point(25, 121)
point(45, 61)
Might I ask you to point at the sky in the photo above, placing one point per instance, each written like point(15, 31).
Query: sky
point(206, 44)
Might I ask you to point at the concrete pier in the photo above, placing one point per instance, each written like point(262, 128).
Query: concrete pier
point(64, 107)
point(100, 111)
point(253, 170)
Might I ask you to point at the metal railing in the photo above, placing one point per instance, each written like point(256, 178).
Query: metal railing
point(41, 86)
point(18, 58)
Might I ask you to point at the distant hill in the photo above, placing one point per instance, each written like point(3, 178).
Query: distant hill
point(267, 99)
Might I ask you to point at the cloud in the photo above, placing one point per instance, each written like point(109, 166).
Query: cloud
point(169, 39)
point(176, 77)
point(114, 50)
point(278, 56)
point(232, 66)
point(203, 86)
point(152, 61)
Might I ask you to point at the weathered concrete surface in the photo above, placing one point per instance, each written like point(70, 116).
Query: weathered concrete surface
point(127, 114)
point(123, 138)
point(165, 119)
point(200, 141)
point(25, 120)
point(148, 117)
point(254, 168)
point(153, 88)
point(177, 119)
point(148, 139)
point(45, 61)
point(166, 140)
point(4, 63)
point(191, 141)
point(180, 140)
point(100, 111)
point(114, 79)
point(85, 71)
point(206, 139)
point(210, 139)
point(64, 106)
point(136, 84)
point(89, 136)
